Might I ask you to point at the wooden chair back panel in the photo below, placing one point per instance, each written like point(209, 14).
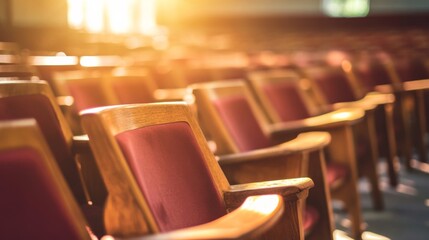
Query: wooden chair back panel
point(35, 202)
point(287, 101)
point(169, 168)
point(39, 107)
point(22, 168)
point(88, 93)
point(106, 126)
point(225, 107)
point(285, 95)
point(332, 83)
point(238, 117)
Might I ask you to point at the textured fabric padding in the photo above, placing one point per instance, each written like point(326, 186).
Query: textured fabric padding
point(286, 101)
point(170, 169)
point(38, 107)
point(238, 117)
point(30, 205)
point(334, 85)
point(87, 94)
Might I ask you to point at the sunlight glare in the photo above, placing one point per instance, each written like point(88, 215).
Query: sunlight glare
point(120, 15)
point(147, 21)
point(75, 14)
point(94, 16)
point(265, 204)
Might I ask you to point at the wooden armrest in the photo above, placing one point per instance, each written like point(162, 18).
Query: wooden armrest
point(256, 215)
point(416, 85)
point(293, 189)
point(170, 94)
point(369, 102)
point(387, 88)
point(341, 117)
point(303, 142)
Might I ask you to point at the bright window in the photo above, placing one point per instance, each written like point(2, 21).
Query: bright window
point(346, 8)
point(112, 16)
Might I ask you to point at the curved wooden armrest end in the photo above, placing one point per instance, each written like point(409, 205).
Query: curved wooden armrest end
point(303, 142)
point(290, 189)
point(255, 216)
point(341, 117)
point(369, 102)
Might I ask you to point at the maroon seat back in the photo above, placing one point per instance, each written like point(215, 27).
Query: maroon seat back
point(87, 94)
point(285, 99)
point(241, 122)
point(371, 73)
point(333, 83)
point(169, 167)
point(39, 107)
point(30, 204)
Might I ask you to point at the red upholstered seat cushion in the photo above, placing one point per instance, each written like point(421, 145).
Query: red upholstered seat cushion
point(30, 205)
point(335, 173)
point(170, 170)
point(311, 217)
point(239, 119)
point(286, 101)
point(38, 107)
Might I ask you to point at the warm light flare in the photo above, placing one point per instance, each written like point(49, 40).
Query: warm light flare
point(147, 21)
point(94, 14)
point(75, 13)
point(119, 15)
point(341, 115)
point(266, 204)
point(113, 16)
point(100, 61)
point(53, 60)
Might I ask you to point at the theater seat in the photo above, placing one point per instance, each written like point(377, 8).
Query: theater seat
point(34, 99)
point(158, 169)
point(36, 202)
point(235, 122)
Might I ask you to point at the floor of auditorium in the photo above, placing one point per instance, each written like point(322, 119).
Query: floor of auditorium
point(406, 214)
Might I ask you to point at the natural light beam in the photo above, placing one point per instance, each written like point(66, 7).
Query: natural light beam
point(120, 15)
point(94, 16)
point(147, 21)
point(75, 14)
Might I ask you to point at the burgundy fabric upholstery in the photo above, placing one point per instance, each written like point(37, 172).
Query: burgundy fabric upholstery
point(30, 205)
point(334, 85)
point(286, 101)
point(311, 217)
point(38, 107)
point(132, 90)
point(335, 173)
point(372, 73)
point(87, 94)
point(238, 117)
point(169, 167)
